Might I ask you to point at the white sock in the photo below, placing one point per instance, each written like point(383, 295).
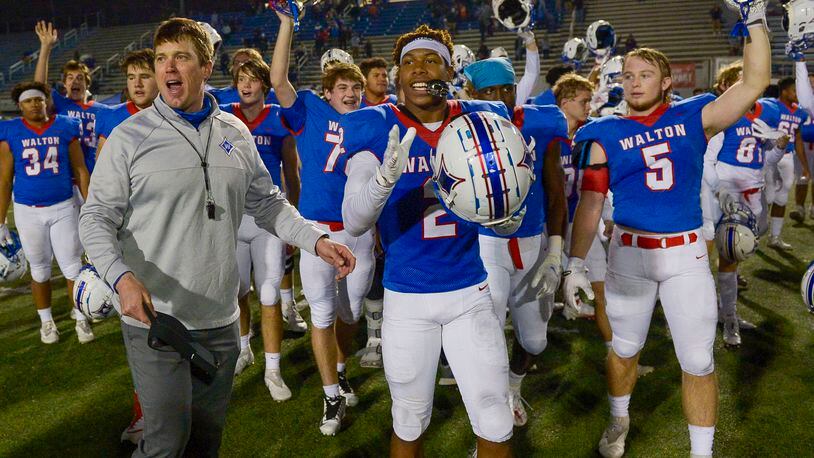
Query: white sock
point(331, 391)
point(701, 438)
point(244, 341)
point(287, 295)
point(273, 361)
point(728, 286)
point(777, 226)
point(515, 380)
point(45, 314)
point(340, 367)
point(619, 405)
point(79, 316)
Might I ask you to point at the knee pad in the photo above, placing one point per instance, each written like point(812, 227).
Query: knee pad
point(72, 271)
point(269, 291)
point(625, 348)
point(349, 314)
point(410, 420)
point(533, 344)
point(322, 317)
point(697, 361)
point(494, 420)
point(42, 274)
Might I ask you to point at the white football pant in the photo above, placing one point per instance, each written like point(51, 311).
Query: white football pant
point(325, 296)
point(779, 180)
point(680, 277)
point(51, 231)
point(264, 253)
point(415, 328)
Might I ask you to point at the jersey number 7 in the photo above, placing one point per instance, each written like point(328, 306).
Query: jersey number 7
point(660, 177)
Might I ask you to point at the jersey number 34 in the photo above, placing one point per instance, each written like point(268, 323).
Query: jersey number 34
point(34, 167)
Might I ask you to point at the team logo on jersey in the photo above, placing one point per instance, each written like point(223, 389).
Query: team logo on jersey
point(226, 146)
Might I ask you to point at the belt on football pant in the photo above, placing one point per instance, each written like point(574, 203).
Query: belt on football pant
point(652, 243)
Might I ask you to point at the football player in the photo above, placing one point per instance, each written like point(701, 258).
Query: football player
point(436, 292)
point(513, 261)
point(39, 157)
point(139, 69)
point(314, 121)
point(229, 94)
point(257, 250)
point(805, 97)
point(733, 175)
point(76, 78)
point(652, 161)
point(780, 177)
point(376, 82)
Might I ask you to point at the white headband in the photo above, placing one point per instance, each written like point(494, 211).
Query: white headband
point(427, 43)
point(30, 94)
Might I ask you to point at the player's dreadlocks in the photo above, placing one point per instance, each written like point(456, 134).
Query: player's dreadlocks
point(442, 36)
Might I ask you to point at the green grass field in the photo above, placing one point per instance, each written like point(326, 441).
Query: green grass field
point(74, 400)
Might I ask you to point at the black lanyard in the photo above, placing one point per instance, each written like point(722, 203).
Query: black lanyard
point(210, 200)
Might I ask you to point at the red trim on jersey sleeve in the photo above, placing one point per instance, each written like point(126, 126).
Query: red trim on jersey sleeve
point(257, 121)
point(131, 107)
point(792, 108)
point(429, 137)
point(755, 113)
point(39, 130)
point(596, 179)
point(518, 116)
point(652, 118)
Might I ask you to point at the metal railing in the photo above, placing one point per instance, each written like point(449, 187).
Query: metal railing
point(112, 60)
point(70, 38)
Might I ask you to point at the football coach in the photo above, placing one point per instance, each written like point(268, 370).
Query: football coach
point(160, 225)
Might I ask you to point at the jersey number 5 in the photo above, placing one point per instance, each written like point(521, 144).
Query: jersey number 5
point(660, 177)
point(33, 156)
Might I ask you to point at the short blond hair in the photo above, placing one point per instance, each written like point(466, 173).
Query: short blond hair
point(178, 29)
point(728, 75)
point(569, 85)
point(658, 59)
point(341, 70)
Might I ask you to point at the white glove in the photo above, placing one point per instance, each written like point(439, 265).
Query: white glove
point(527, 36)
point(509, 226)
point(573, 280)
point(5, 236)
point(751, 11)
point(550, 270)
point(395, 157)
point(729, 203)
point(764, 131)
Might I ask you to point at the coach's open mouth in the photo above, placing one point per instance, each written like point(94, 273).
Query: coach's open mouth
point(174, 87)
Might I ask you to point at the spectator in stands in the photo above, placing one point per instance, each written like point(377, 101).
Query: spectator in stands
point(368, 48)
point(226, 31)
point(579, 11)
point(545, 46)
point(630, 43)
point(717, 16)
point(355, 45)
point(483, 51)
point(484, 19)
point(224, 62)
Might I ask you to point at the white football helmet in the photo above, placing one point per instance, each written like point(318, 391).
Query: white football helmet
point(92, 296)
point(214, 37)
point(611, 70)
point(807, 287)
point(574, 51)
point(482, 168)
point(462, 56)
point(736, 235)
point(600, 36)
point(513, 14)
point(798, 21)
point(13, 264)
point(334, 55)
point(500, 51)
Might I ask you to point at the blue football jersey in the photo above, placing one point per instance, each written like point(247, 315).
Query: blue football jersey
point(655, 164)
point(86, 113)
point(572, 175)
point(319, 143)
point(807, 131)
point(390, 98)
point(791, 119)
point(742, 149)
point(42, 167)
point(229, 94)
point(545, 98)
point(268, 133)
point(543, 124)
point(108, 120)
point(426, 250)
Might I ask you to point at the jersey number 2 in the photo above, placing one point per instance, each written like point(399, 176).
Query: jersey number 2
point(660, 177)
point(33, 156)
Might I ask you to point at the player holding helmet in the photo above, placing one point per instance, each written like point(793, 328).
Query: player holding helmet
point(435, 284)
point(652, 161)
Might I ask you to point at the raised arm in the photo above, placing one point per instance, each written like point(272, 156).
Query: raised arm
point(283, 88)
point(531, 73)
point(48, 36)
point(805, 95)
point(741, 96)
